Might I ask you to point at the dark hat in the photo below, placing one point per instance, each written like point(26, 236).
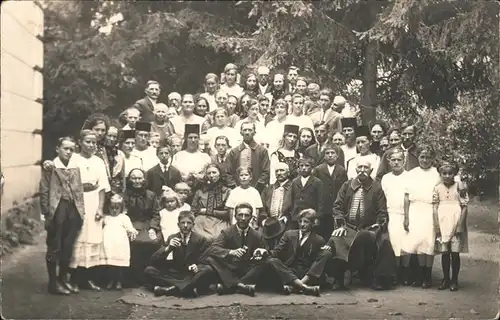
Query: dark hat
point(127, 134)
point(291, 128)
point(362, 131)
point(191, 128)
point(349, 122)
point(272, 228)
point(143, 126)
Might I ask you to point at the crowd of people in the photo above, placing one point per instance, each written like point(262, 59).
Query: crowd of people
point(273, 183)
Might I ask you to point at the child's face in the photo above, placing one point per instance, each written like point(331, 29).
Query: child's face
point(305, 169)
point(185, 225)
point(171, 204)
point(448, 176)
point(132, 118)
point(115, 208)
point(183, 194)
point(245, 177)
point(154, 142)
point(425, 160)
point(264, 106)
point(164, 155)
point(66, 150)
point(176, 146)
point(331, 157)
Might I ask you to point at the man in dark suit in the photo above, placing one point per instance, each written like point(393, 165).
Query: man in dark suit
point(333, 176)
point(307, 192)
point(163, 174)
point(248, 154)
point(232, 251)
point(360, 244)
point(147, 104)
point(186, 272)
point(409, 148)
point(317, 150)
point(276, 197)
point(298, 258)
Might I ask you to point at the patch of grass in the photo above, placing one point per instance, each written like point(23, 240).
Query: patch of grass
point(19, 227)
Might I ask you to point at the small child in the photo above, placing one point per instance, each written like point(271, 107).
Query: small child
point(154, 139)
point(450, 211)
point(165, 223)
point(117, 230)
point(245, 193)
point(161, 124)
point(184, 192)
point(175, 143)
point(132, 116)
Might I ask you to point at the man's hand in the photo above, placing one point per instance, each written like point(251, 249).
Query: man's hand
point(174, 243)
point(374, 226)
point(193, 268)
point(152, 234)
point(48, 165)
point(258, 254)
point(406, 224)
point(326, 247)
point(237, 252)
point(339, 232)
point(133, 235)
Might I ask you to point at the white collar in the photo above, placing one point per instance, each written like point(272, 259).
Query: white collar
point(152, 101)
point(330, 167)
point(304, 180)
point(165, 167)
point(305, 235)
point(72, 163)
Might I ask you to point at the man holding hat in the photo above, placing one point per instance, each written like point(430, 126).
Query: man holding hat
point(360, 243)
point(363, 144)
point(146, 153)
point(349, 149)
point(276, 197)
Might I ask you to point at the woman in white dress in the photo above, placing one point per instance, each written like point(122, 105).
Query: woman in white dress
point(190, 161)
point(274, 129)
point(88, 249)
point(419, 220)
point(298, 117)
point(395, 195)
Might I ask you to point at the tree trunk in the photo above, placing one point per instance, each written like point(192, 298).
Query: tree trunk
point(369, 89)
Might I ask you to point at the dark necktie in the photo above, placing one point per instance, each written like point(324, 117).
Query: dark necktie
point(243, 239)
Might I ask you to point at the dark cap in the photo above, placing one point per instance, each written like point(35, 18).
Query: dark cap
point(191, 128)
point(362, 131)
point(143, 126)
point(349, 122)
point(291, 128)
point(128, 134)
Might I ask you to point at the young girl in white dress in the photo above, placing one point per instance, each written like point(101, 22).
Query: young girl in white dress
point(450, 210)
point(166, 223)
point(419, 221)
point(395, 195)
point(245, 193)
point(116, 233)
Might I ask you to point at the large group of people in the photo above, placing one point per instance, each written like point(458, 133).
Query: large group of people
point(271, 183)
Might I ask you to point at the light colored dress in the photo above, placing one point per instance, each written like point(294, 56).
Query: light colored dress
point(234, 90)
point(180, 121)
point(191, 162)
point(302, 121)
point(148, 157)
point(274, 133)
point(449, 211)
point(88, 247)
point(116, 241)
point(420, 186)
point(395, 195)
point(250, 195)
point(168, 222)
point(349, 153)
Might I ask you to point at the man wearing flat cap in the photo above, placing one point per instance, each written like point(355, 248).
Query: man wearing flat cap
point(360, 243)
point(142, 149)
point(276, 197)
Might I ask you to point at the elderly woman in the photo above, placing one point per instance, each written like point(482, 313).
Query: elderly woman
point(88, 247)
point(191, 162)
point(141, 205)
point(209, 204)
point(287, 153)
point(378, 131)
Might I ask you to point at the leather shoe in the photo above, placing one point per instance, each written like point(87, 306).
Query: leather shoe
point(247, 289)
point(163, 291)
point(453, 286)
point(311, 290)
point(92, 286)
point(72, 288)
point(445, 284)
point(220, 289)
point(287, 290)
point(57, 288)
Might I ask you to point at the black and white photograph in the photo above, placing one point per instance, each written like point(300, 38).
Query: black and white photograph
point(237, 160)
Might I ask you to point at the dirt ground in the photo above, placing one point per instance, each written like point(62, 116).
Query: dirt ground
point(24, 281)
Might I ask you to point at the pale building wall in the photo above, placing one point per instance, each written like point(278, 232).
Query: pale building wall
point(21, 85)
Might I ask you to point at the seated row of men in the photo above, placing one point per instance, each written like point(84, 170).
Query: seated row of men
point(293, 261)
